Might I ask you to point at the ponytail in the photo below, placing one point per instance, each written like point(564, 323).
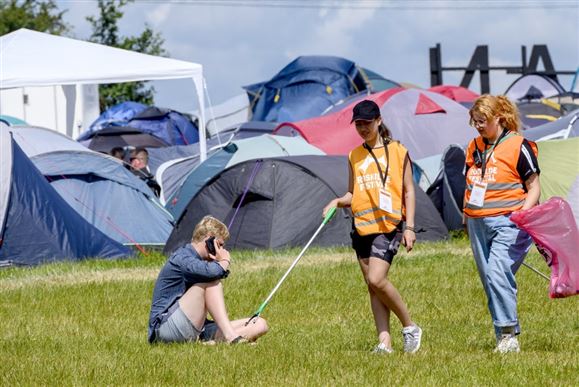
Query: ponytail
point(385, 133)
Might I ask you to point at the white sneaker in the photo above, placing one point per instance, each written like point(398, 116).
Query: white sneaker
point(382, 348)
point(508, 343)
point(412, 337)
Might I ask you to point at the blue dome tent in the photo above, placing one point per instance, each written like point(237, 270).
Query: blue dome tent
point(36, 224)
point(172, 127)
point(98, 187)
point(118, 115)
point(308, 86)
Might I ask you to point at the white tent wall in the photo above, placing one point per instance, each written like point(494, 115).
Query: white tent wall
point(33, 59)
point(67, 109)
point(227, 114)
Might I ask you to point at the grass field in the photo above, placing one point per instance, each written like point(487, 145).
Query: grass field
point(86, 323)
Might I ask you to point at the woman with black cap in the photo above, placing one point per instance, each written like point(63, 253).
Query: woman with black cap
point(381, 195)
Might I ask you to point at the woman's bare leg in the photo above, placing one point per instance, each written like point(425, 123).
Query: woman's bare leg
point(385, 290)
point(379, 310)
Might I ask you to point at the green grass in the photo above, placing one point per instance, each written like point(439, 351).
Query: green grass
point(86, 323)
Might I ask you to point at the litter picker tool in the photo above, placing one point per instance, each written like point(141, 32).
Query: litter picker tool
point(536, 271)
point(327, 218)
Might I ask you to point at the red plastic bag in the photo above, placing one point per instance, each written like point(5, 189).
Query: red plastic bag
point(554, 231)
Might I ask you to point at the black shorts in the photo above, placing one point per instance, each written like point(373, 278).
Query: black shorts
point(383, 246)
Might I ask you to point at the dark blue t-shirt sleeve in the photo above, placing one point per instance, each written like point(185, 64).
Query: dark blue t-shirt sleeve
point(197, 270)
point(527, 163)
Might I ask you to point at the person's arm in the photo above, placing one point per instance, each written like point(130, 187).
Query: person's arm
point(222, 257)
point(409, 235)
point(533, 186)
point(198, 270)
point(344, 201)
point(528, 170)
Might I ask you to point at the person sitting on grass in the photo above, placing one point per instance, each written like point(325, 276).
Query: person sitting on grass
point(189, 286)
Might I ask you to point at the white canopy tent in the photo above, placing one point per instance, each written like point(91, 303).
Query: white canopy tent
point(30, 58)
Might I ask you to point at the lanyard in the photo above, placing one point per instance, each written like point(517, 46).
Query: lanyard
point(383, 176)
point(485, 157)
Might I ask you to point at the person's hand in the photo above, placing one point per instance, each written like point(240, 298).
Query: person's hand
point(408, 239)
point(221, 253)
point(332, 203)
point(222, 256)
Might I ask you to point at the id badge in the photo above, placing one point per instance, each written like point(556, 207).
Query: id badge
point(385, 200)
point(477, 195)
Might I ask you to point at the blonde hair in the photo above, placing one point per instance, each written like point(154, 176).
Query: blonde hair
point(490, 106)
point(209, 226)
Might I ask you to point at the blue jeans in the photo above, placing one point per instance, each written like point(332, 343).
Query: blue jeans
point(499, 248)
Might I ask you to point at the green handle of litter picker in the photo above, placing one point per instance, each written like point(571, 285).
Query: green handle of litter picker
point(260, 309)
point(329, 215)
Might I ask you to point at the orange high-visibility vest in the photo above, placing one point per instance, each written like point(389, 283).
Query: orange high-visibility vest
point(505, 191)
point(369, 218)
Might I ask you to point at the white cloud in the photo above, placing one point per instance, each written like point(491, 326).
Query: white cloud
point(243, 45)
point(334, 34)
point(159, 15)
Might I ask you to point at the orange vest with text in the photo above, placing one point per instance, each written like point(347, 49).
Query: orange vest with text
point(369, 218)
point(505, 192)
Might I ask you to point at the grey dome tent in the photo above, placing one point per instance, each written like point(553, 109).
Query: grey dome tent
point(185, 187)
point(110, 137)
point(533, 86)
point(278, 202)
point(564, 127)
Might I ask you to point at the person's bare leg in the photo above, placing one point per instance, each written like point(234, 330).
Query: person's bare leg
point(385, 290)
point(212, 301)
point(192, 303)
point(379, 310)
point(215, 302)
point(381, 320)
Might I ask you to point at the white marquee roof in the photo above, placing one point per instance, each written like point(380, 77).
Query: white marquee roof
point(31, 58)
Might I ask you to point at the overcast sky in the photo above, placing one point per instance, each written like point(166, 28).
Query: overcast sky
point(240, 42)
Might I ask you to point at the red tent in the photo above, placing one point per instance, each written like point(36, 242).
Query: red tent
point(333, 133)
point(423, 121)
point(456, 93)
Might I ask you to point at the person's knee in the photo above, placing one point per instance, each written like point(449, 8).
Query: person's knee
point(376, 280)
point(261, 326)
point(210, 284)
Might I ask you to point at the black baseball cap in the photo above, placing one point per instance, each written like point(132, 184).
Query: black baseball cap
point(366, 110)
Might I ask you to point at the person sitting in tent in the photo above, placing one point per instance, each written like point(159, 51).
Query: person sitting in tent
point(140, 167)
point(502, 176)
point(118, 153)
point(189, 286)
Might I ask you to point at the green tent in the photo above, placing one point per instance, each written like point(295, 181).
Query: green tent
point(559, 163)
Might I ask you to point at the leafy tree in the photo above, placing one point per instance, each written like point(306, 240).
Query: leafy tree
point(43, 16)
point(106, 31)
